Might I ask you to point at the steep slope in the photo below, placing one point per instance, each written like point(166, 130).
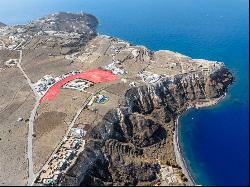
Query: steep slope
point(131, 142)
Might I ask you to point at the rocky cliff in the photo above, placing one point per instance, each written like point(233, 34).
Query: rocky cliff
point(131, 142)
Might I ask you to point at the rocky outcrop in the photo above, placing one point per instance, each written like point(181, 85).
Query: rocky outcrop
point(64, 32)
point(69, 31)
point(126, 147)
point(179, 92)
point(83, 24)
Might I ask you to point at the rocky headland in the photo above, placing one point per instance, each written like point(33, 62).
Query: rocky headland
point(130, 140)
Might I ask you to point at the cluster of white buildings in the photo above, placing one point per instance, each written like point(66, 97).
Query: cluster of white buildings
point(62, 159)
point(116, 68)
point(114, 50)
point(16, 36)
point(171, 176)
point(149, 77)
point(59, 34)
point(78, 84)
point(15, 42)
point(42, 85)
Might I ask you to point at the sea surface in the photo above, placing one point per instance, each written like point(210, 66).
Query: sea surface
point(214, 140)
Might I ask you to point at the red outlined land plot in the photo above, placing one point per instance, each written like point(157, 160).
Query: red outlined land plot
point(94, 75)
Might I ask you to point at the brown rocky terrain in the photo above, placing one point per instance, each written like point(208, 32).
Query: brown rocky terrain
point(17, 98)
point(131, 142)
point(128, 139)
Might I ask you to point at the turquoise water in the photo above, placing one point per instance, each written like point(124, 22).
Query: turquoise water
point(215, 141)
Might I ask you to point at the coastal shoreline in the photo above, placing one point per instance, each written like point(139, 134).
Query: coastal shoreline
point(210, 103)
point(180, 159)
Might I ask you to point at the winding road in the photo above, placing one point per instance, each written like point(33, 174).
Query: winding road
point(31, 122)
point(31, 175)
point(32, 115)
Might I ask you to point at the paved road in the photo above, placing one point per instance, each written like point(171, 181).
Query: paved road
point(79, 112)
point(30, 145)
point(31, 122)
point(32, 176)
point(32, 115)
point(26, 76)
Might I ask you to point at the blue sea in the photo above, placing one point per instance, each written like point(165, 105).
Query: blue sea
point(214, 140)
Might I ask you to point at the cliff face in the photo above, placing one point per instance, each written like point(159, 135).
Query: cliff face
point(128, 145)
point(178, 92)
